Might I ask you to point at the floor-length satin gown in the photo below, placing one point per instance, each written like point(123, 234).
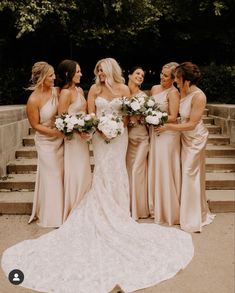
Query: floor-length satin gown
point(77, 170)
point(100, 245)
point(49, 192)
point(137, 168)
point(194, 211)
point(164, 172)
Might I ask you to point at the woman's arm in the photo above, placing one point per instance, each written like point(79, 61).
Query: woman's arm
point(91, 99)
point(198, 106)
point(174, 104)
point(32, 110)
point(64, 101)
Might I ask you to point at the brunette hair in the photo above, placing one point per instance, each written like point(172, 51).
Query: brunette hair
point(188, 71)
point(65, 72)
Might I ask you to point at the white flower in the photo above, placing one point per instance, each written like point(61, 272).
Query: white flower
point(152, 120)
point(80, 122)
point(135, 105)
point(150, 103)
point(59, 123)
point(73, 120)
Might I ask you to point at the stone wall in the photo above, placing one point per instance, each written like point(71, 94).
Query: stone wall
point(224, 116)
point(14, 126)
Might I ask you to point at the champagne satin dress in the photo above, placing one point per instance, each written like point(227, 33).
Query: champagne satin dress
point(49, 192)
point(164, 172)
point(137, 168)
point(77, 169)
point(194, 211)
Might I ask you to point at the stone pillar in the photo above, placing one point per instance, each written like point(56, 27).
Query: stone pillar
point(14, 126)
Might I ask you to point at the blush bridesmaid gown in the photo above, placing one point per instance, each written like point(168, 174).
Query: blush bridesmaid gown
point(194, 211)
point(48, 194)
point(164, 172)
point(77, 169)
point(137, 168)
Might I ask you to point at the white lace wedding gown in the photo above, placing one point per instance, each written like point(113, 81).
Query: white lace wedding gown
point(100, 245)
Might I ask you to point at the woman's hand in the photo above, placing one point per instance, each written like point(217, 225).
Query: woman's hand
point(85, 136)
point(160, 129)
point(133, 120)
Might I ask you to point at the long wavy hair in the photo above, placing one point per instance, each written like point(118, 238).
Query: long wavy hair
point(39, 72)
point(112, 71)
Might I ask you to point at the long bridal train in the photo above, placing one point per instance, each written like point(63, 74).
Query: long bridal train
point(100, 245)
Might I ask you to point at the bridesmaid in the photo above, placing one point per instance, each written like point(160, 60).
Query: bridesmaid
point(164, 154)
point(77, 170)
point(41, 111)
point(137, 153)
point(194, 211)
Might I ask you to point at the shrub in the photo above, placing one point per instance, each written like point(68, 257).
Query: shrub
point(218, 83)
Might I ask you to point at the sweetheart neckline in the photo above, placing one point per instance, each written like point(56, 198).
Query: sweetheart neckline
point(108, 101)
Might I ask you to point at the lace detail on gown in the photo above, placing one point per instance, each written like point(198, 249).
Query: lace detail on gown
point(100, 245)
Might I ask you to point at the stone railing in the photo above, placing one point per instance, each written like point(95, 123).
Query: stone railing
point(14, 126)
point(224, 116)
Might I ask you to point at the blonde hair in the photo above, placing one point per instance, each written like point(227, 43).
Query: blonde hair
point(172, 66)
point(39, 72)
point(113, 73)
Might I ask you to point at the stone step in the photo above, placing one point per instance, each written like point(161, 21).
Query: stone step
point(16, 202)
point(213, 129)
point(217, 180)
point(18, 182)
point(26, 152)
point(218, 139)
point(31, 131)
point(220, 164)
point(220, 151)
point(221, 201)
point(29, 140)
point(208, 120)
point(29, 165)
point(206, 112)
point(22, 165)
point(20, 202)
point(220, 180)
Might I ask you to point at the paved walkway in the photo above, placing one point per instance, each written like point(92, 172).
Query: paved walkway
point(211, 270)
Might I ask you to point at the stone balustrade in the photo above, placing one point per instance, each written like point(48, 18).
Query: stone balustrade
point(224, 116)
point(14, 126)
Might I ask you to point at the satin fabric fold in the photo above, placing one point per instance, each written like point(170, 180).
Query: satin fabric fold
point(194, 210)
point(164, 171)
point(77, 169)
point(49, 191)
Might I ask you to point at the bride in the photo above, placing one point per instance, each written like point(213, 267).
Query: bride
point(100, 245)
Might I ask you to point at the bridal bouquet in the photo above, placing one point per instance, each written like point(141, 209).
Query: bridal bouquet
point(86, 123)
point(155, 117)
point(65, 123)
point(134, 105)
point(111, 125)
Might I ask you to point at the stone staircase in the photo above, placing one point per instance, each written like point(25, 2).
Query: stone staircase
point(16, 189)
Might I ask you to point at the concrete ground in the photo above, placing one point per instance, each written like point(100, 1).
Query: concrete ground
point(211, 270)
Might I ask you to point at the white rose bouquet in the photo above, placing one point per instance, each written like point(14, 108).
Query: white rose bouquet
point(134, 105)
point(86, 123)
point(155, 117)
point(65, 123)
point(111, 125)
